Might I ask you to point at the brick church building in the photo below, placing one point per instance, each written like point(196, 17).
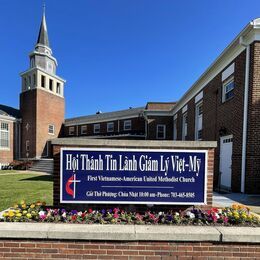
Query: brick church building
point(223, 105)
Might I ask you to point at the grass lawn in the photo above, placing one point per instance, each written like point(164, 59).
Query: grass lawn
point(24, 186)
point(7, 171)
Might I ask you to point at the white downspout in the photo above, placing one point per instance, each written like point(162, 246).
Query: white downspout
point(244, 138)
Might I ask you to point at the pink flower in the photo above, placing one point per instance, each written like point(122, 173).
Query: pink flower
point(225, 219)
point(116, 215)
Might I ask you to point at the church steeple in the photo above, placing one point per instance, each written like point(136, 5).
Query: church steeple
point(41, 99)
point(42, 57)
point(43, 38)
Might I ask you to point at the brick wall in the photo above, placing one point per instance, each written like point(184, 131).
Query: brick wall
point(28, 112)
point(153, 121)
point(138, 126)
point(39, 109)
point(50, 110)
point(218, 115)
point(56, 185)
point(42, 249)
point(253, 138)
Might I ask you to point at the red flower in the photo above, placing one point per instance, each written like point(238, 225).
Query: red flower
point(215, 210)
point(74, 217)
point(90, 210)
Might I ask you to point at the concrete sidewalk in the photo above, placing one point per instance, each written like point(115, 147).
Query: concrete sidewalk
point(226, 200)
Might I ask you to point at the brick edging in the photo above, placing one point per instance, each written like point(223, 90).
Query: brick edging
point(129, 232)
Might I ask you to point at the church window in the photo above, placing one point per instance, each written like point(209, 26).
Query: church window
point(71, 130)
point(228, 89)
point(83, 129)
point(51, 129)
point(4, 136)
point(184, 126)
point(96, 128)
point(198, 121)
point(127, 125)
point(43, 81)
point(51, 84)
point(58, 88)
point(110, 127)
point(161, 132)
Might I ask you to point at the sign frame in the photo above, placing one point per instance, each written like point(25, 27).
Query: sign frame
point(124, 149)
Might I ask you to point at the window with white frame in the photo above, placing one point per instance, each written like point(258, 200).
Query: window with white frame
point(160, 131)
point(175, 129)
point(4, 135)
point(228, 89)
point(83, 129)
point(71, 130)
point(184, 126)
point(198, 121)
point(51, 129)
point(127, 125)
point(110, 127)
point(96, 128)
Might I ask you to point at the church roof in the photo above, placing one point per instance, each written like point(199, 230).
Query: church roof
point(109, 116)
point(43, 33)
point(9, 111)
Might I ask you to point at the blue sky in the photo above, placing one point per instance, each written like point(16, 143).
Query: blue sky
point(119, 53)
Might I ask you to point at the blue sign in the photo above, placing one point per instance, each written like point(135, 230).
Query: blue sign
point(131, 176)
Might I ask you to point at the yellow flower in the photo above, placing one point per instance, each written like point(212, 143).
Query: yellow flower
point(5, 214)
point(22, 202)
point(15, 206)
point(24, 212)
point(28, 215)
point(11, 213)
point(23, 206)
point(32, 206)
point(243, 215)
point(18, 215)
point(18, 211)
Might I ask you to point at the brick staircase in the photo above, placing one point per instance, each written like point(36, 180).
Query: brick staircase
point(42, 165)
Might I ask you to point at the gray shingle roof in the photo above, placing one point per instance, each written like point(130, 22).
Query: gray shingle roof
point(9, 111)
point(109, 116)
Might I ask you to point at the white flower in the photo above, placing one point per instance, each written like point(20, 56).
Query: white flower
point(177, 214)
point(160, 213)
point(192, 215)
point(188, 213)
point(217, 215)
point(79, 213)
point(42, 213)
point(64, 215)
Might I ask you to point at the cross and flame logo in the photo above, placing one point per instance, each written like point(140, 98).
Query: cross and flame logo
point(72, 181)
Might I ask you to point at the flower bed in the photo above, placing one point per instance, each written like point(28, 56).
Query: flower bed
point(38, 212)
